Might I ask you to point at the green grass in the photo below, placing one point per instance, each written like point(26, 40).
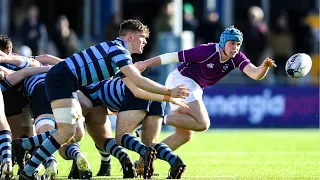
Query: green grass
point(233, 154)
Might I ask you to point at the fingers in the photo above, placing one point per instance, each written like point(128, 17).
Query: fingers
point(183, 91)
point(181, 102)
point(269, 62)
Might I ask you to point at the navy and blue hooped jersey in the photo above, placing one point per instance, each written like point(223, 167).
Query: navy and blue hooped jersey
point(108, 93)
point(31, 82)
point(5, 84)
point(99, 62)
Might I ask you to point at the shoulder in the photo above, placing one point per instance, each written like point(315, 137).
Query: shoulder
point(240, 56)
point(241, 60)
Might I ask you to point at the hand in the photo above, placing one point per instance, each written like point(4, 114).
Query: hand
point(180, 91)
point(178, 101)
point(269, 62)
point(140, 66)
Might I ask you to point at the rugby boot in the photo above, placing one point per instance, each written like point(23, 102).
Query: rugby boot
point(34, 176)
point(51, 171)
point(128, 168)
point(19, 152)
point(176, 169)
point(74, 172)
point(6, 171)
point(105, 168)
point(148, 158)
point(84, 168)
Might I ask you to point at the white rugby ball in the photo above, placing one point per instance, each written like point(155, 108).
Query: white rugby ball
point(298, 65)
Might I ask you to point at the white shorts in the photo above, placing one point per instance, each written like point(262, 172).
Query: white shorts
point(175, 79)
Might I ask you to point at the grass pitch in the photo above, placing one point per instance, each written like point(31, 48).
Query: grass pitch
point(232, 154)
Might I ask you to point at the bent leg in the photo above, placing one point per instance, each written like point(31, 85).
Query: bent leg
point(193, 118)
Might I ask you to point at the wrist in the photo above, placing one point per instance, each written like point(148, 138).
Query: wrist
point(166, 98)
point(168, 92)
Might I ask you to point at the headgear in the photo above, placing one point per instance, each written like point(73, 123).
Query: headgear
point(230, 34)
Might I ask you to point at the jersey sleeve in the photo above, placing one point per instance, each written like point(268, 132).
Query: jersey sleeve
point(241, 61)
point(197, 54)
point(120, 56)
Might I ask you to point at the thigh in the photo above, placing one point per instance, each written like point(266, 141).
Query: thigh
point(98, 124)
point(127, 121)
point(196, 109)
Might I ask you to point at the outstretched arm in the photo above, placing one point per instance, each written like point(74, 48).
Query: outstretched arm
point(142, 94)
point(148, 85)
point(48, 59)
point(19, 61)
point(166, 58)
point(258, 73)
point(17, 76)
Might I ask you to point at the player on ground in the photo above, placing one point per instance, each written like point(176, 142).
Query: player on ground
point(201, 67)
point(96, 63)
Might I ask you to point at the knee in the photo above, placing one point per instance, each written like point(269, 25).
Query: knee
point(79, 131)
point(203, 125)
point(67, 133)
point(79, 135)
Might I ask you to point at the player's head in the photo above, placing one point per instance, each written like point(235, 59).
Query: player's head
point(5, 44)
point(135, 34)
point(230, 41)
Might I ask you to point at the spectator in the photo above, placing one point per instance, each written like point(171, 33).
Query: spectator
point(190, 22)
point(65, 38)
point(25, 51)
point(112, 28)
point(164, 21)
point(210, 29)
point(305, 40)
point(281, 41)
point(256, 34)
point(33, 33)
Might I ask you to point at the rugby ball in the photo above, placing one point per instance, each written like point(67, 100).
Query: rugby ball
point(298, 65)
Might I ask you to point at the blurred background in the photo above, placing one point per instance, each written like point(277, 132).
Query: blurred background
point(271, 28)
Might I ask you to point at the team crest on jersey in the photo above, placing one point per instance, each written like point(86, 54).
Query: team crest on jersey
point(210, 65)
point(225, 68)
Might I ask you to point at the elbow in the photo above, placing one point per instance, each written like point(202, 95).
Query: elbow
point(137, 81)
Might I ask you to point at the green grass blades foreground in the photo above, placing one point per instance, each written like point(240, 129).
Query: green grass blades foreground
point(232, 154)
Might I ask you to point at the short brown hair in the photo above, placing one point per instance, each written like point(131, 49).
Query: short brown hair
point(133, 26)
point(5, 43)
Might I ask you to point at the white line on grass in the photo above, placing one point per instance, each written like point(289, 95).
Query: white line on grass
point(250, 153)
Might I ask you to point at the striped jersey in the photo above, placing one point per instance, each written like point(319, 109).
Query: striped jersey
point(108, 93)
point(5, 84)
point(31, 82)
point(99, 62)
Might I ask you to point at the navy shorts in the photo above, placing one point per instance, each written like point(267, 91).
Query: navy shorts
point(60, 83)
point(39, 102)
point(14, 101)
point(86, 92)
point(130, 102)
